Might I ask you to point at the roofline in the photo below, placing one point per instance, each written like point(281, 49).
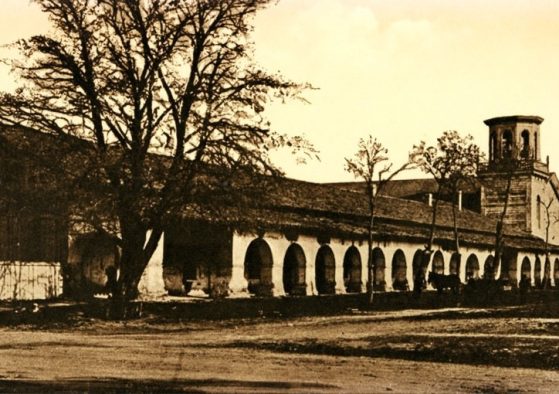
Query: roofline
point(514, 119)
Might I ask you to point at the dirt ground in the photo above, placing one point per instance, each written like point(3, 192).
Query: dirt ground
point(514, 349)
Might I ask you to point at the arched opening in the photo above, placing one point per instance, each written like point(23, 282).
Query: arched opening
point(536, 156)
point(525, 152)
point(294, 264)
point(454, 266)
point(538, 273)
point(352, 270)
point(556, 272)
point(488, 268)
point(258, 268)
point(546, 281)
point(399, 268)
point(492, 146)
point(507, 144)
point(508, 267)
point(379, 267)
point(472, 267)
point(526, 269)
point(325, 270)
point(438, 263)
point(96, 256)
point(417, 267)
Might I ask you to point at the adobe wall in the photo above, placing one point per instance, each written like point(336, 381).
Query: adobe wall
point(537, 215)
point(30, 280)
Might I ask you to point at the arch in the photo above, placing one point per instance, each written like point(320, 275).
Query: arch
point(294, 265)
point(352, 270)
point(399, 269)
point(509, 267)
point(489, 268)
point(546, 280)
point(417, 268)
point(325, 271)
point(536, 148)
point(525, 152)
point(472, 267)
point(438, 263)
point(95, 255)
point(454, 265)
point(379, 266)
point(507, 144)
point(258, 268)
point(538, 272)
point(526, 269)
point(492, 146)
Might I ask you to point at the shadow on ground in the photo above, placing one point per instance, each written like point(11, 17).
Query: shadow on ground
point(154, 386)
point(505, 351)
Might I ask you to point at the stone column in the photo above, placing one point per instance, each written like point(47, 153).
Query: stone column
point(364, 253)
point(462, 271)
point(310, 247)
point(339, 251)
point(238, 286)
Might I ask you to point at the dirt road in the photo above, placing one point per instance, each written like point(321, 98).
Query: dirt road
point(408, 351)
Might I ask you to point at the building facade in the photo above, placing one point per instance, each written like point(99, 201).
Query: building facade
point(310, 238)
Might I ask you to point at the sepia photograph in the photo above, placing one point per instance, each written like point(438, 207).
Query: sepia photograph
point(279, 196)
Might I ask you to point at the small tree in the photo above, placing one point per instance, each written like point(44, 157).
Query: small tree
point(452, 163)
point(370, 162)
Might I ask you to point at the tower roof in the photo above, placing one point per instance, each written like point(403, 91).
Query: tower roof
point(514, 119)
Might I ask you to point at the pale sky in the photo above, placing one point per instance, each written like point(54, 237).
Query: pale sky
point(402, 70)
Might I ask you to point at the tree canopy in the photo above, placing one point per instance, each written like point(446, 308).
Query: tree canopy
point(138, 78)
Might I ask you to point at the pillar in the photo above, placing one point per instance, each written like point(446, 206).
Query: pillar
point(238, 285)
point(152, 284)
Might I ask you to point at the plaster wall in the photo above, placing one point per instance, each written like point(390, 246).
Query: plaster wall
point(151, 284)
point(541, 188)
point(30, 280)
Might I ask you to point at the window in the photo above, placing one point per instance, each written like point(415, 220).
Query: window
point(507, 144)
point(539, 211)
point(492, 146)
point(525, 152)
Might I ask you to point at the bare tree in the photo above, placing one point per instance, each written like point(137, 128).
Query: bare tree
point(142, 77)
point(370, 162)
point(452, 163)
point(507, 166)
point(551, 218)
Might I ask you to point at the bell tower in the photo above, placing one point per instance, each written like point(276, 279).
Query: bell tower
point(514, 137)
point(514, 153)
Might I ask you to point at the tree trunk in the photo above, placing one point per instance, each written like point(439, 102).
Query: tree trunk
point(499, 233)
point(426, 257)
point(429, 246)
point(370, 265)
point(133, 262)
point(455, 225)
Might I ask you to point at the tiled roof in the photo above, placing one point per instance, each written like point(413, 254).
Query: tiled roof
point(333, 208)
point(407, 187)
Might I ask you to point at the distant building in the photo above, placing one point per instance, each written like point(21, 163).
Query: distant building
point(307, 239)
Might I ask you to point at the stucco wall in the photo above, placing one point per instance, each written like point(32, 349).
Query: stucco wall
point(30, 280)
point(542, 188)
point(310, 244)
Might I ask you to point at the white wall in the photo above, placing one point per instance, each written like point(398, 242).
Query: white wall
point(30, 280)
